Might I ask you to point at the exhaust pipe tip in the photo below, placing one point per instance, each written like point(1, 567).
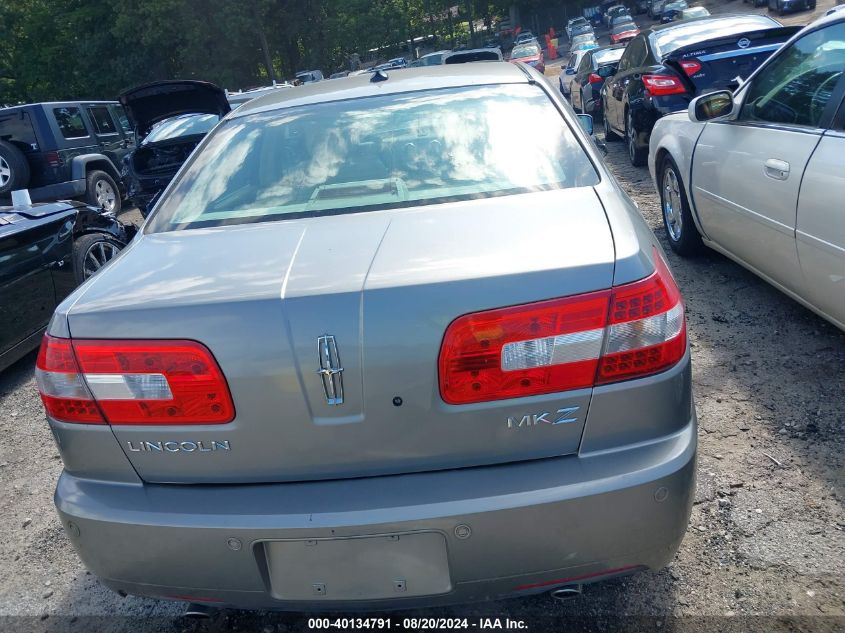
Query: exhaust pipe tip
point(567, 592)
point(196, 611)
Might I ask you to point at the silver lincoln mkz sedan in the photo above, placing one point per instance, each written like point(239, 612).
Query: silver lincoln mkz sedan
point(382, 342)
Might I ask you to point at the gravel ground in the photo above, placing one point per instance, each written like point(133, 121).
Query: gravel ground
point(765, 545)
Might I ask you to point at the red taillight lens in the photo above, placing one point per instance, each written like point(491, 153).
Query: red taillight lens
point(691, 66)
point(571, 343)
point(139, 382)
point(646, 329)
point(63, 391)
point(594, 78)
point(659, 85)
point(53, 159)
point(523, 350)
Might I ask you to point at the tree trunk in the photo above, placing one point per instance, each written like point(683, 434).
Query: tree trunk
point(265, 48)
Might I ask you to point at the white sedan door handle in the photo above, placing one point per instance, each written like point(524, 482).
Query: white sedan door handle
point(777, 169)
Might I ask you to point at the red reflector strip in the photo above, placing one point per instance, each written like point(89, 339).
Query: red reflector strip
point(563, 581)
point(72, 410)
point(660, 85)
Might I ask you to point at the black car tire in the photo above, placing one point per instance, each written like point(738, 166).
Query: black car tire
point(98, 249)
point(687, 242)
point(609, 134)
point(13, 160)
point(97, 184)
point(638, 155)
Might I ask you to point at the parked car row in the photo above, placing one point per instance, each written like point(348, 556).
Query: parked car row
point(666, 66)
point(759, 174)
point(587, 81)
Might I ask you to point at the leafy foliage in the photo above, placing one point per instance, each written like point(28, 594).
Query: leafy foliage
point(92, 49)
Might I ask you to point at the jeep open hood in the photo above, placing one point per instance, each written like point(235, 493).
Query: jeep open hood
point(148, 104)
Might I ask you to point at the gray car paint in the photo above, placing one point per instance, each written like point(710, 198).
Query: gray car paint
point(618, 497)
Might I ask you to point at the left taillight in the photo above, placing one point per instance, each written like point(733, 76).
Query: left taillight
point(628, 331)
point(63, 390)
point(132, 382)
point(660, 85)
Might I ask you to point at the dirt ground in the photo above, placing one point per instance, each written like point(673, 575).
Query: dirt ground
point(765, 549)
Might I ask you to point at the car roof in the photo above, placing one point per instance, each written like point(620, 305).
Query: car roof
point(399, 80)
point(61, 103)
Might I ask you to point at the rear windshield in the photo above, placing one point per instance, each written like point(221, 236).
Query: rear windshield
point(607, 56)
point(668, 40)
point(380, 152)
point(527, 50)
point(582, 28)
point(184, 125)
point(621, 28)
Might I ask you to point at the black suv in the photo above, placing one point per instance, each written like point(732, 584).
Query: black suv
point(63, 150)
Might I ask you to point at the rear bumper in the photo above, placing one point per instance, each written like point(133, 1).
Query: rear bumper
point(507, 530)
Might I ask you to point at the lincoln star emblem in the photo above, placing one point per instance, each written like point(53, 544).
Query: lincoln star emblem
point(744, 43)
point(330, 372)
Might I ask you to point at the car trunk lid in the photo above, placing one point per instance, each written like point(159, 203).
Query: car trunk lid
point(385, 286)
point(716, 64)
point(151, 103)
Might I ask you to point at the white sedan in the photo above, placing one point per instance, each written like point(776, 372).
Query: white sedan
point(760, 175)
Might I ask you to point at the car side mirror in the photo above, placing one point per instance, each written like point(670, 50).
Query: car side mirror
point(711, 106)
point(606, 71)
point(586, 122)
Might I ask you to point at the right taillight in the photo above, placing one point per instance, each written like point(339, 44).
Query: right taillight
point(690, 66)
point(627, 332)
point(660, 85)
point(132, 382)
point(646, 330)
